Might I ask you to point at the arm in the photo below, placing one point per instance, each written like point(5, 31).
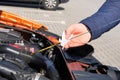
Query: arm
point(107, 17)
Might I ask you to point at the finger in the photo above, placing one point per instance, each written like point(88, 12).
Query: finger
point(66, 46)
point(69, 32)
point(75, 43)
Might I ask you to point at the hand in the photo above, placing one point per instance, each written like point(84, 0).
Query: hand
point(77, 29)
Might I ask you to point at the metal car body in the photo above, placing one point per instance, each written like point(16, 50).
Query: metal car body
point(60, 1)
point(46, 4)
point(21, 58)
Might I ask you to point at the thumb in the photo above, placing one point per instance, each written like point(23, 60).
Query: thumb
point(68, 33)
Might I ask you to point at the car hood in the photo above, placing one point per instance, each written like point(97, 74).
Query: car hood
point(11, 19)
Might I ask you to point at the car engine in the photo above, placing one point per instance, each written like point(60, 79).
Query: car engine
point(19, 59)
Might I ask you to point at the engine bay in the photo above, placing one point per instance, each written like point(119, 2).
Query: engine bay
point(19, 59)
point(29, 52)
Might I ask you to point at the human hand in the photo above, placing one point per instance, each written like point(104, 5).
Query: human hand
point(75, 30)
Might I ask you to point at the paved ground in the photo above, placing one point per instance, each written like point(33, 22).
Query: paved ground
point(107, 47)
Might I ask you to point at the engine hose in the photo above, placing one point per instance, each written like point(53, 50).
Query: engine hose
point(48, 64)
point(6, 74)
point(36, 59)
point(8, 49)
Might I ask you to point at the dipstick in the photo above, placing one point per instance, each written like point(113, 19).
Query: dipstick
point(41, 50)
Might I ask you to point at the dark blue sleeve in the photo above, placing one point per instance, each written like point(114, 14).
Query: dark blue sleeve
point(107, 17)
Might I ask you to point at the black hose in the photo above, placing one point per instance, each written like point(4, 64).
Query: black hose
point(48, 64)
point(6, 74)
point(8, 49)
